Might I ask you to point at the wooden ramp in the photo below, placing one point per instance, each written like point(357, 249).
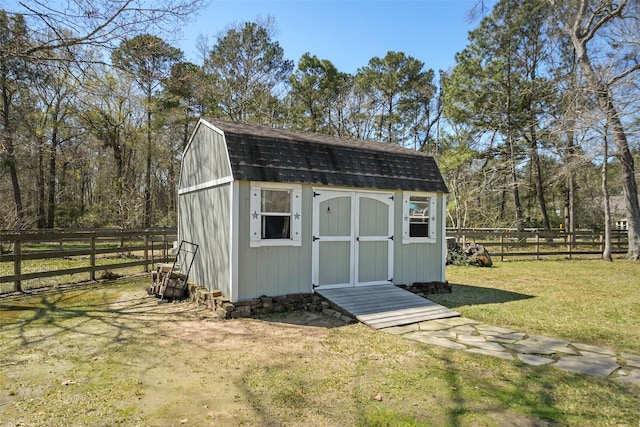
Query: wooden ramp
point(384, 306)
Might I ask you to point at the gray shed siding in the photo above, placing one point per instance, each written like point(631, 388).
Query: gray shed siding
point(204, 218)
point(272, 270)
point(204, 208)
point(419, 262)
point(205, 158)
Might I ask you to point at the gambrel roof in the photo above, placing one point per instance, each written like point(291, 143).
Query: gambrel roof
point(260, 153)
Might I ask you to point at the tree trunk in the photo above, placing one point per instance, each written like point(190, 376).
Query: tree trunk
point(605, 103)
point(42, 215)
point(606, 251)
point(535, 159)
point(515, 191)
point(147, 180)
point(10, 159)
point(51, 200)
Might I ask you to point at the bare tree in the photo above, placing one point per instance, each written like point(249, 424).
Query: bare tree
point(102, 23)
point(583, 21)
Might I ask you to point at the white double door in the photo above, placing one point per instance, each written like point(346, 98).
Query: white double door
point(352, 238)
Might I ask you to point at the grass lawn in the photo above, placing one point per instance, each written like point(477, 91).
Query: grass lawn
point(110, 355)
point(589, 301)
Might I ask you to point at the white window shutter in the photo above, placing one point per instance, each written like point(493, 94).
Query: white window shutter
point(433, 232)
point(296, 214)
point(405, 216)
point(254, 215)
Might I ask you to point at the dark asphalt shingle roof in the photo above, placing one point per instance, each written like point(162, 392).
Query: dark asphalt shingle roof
point(260, 153)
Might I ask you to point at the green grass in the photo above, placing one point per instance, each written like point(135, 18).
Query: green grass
point(589, 301)
point(273, 372)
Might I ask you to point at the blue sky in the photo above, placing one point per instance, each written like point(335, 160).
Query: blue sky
point(348, 32)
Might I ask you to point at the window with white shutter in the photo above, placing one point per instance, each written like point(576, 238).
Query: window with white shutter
point(275, 215)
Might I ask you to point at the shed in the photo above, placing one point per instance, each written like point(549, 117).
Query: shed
point(277, 212)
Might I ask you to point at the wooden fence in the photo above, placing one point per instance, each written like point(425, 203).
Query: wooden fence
point(33, 255)
point(29, 257)
point(536, 244)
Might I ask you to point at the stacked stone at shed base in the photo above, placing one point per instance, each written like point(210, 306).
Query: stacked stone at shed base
point(225, 309)
point(428, 288)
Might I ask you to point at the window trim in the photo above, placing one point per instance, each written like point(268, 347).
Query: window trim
point(433, 204)
point(256, 215)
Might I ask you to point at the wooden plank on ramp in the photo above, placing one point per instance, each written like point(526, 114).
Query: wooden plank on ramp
point(384, 306)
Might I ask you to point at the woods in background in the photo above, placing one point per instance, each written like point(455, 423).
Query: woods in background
point(97, 109)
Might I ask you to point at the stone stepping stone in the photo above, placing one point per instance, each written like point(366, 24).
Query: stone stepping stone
point(525, 349)
point(492, 346)
point(443, 334)
point(429, 339)
point(632, 377)
point(463, 330)
point(598, 366)
point(457, 321)
point(633, 363)
point(432, 325)
point(549, 346)
point(496, 329)
point(593, 349)
point(499, 354)
point(499, 339)
point(536, 340)
point(512, 336)
point(471, 338)
point(400, 330)
point(530, 359)
point(630, 356)
point(592, 354)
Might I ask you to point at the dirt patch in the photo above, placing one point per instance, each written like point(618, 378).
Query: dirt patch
point(144, 362)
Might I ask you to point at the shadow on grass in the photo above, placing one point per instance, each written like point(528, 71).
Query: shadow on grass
point(462, 295)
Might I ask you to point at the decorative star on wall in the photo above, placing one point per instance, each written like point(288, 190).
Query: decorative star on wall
point(255, 215)
point(296, 216)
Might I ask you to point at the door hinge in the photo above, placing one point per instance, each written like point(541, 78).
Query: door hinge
point(391, 197)
point(390, 237)
point(314, 238)
point(315, 194)
point(391, 280)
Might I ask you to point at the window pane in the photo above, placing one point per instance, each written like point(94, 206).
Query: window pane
point(419, 229)
point(276, 227)
point(276, 201)
point(419, 206)
point(419, 216)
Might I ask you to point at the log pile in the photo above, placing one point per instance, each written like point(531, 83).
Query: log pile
point(471, 254)
point(168, 282)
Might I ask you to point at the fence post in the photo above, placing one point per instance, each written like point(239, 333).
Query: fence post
point(537, 246)
point(601, 242)
point(17, 267)
point(146, 253)
point(92, 257)
point(570, 246)
point(501, 246)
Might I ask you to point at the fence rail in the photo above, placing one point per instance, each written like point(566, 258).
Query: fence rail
point(37, 254)
point(541, 243)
